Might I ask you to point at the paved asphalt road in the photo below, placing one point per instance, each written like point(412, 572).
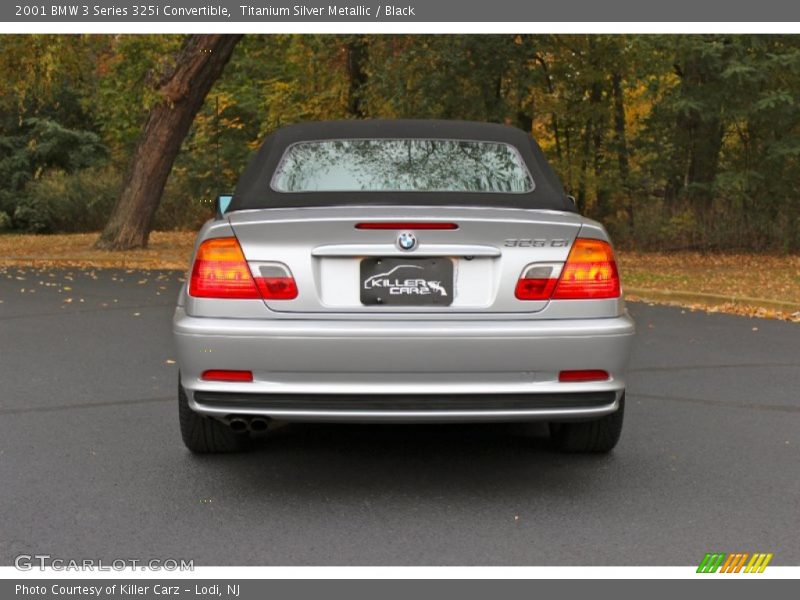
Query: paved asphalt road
point(91, 463)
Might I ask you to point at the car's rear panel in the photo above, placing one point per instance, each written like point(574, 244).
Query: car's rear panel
point(323, 249)
point(326, 344)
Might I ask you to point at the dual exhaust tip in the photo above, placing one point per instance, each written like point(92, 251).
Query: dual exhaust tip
point(243, 424)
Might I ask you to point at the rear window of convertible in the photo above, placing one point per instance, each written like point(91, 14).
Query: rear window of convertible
point(401, 165)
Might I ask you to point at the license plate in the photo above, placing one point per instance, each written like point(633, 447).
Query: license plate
point(407, 281)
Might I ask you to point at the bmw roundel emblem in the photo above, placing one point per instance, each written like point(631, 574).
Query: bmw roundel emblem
point(406, 240)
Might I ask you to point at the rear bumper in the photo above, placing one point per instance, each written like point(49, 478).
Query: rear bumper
point(421, 408)
point(343, 370)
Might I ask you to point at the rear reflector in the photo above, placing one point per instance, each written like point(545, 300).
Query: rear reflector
point(406, 225)
point(220, 271)
point(590, 272)
point(227, 375)
point(583, 375)
point(535, 289)
point(277, 288)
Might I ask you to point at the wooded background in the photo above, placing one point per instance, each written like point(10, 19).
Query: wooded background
point(673, 142)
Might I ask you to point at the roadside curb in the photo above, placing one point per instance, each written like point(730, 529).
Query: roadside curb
point(709, 299)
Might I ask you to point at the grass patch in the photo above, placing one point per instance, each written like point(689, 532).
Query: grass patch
point(735, 275)
point(753, 284)
point(166, 250)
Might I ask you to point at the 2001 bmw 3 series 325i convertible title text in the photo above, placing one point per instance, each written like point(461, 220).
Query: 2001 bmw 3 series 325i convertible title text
point(401, 271)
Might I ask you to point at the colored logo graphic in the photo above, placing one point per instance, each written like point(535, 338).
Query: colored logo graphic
point(407, 240)
point(736, 562)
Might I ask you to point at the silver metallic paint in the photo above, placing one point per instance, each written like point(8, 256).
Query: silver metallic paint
point(325, 342)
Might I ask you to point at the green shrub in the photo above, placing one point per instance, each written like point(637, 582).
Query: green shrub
point(32, 216)
point(5, 221)
point(679, 230)
point(67, 203)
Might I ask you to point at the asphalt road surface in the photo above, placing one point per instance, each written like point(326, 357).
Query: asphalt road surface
point(92, 466)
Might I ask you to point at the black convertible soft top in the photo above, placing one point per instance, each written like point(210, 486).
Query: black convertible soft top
point(254, 191)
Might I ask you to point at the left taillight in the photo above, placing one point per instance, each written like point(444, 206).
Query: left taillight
point(221, 271)
point(275, 281)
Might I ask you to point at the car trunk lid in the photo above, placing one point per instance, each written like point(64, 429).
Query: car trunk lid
point(352, 260)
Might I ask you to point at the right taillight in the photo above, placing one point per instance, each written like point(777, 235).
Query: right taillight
point(220, 270)
point(537, 282)
point(590, 272)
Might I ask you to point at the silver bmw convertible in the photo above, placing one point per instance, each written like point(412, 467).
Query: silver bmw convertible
point(401, 271)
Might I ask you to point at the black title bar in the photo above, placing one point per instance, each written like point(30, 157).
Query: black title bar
point(311, 11)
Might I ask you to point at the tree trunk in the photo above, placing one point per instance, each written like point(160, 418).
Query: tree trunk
point(183, 89)
point(355, 55)
point(621, 142)
point(703, 165)
point(568, 145)
point(602, 193)
point(553, 115)
point(592, 142)
point(583, 186)
point(525, 121)
point(705, 133)
point(698, 140)
point(619, 128)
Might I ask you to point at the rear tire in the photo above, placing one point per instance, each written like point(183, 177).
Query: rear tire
point(597, 436)
point(205, 435)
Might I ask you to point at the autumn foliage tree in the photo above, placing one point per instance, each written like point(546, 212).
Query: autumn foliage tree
point(181, 92)
point(672, 141)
